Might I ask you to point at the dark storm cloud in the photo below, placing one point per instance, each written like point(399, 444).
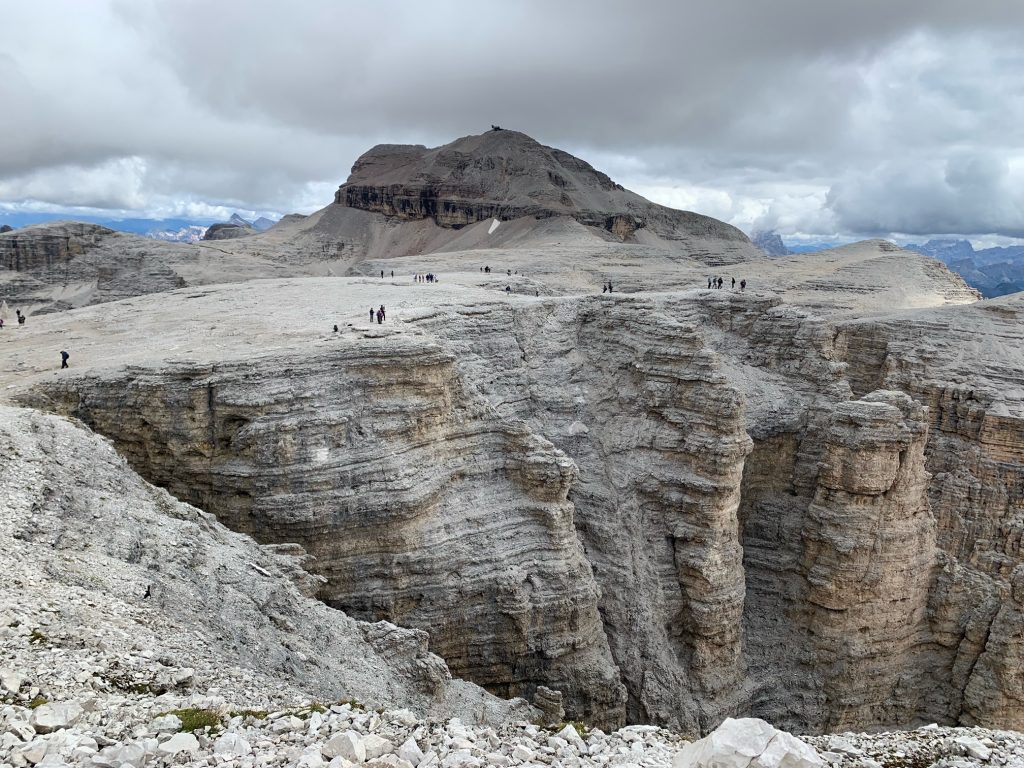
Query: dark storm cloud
point(793, 114)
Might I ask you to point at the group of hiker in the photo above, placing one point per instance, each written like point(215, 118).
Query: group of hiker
point(379, 313)
point(430, 277)
point(606, 287)
point(717, 282)
point(20, 318)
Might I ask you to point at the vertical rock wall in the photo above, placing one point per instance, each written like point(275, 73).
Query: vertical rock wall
point(419, 504)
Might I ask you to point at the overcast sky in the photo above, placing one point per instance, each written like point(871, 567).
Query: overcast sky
point(813, 117)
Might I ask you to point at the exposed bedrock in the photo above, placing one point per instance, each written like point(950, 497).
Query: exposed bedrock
point(507, 175)
point(50, 246)
point(418, 502)
point(673, 508)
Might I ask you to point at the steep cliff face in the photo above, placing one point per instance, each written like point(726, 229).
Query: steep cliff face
point(49, 246)
point(676, 506)
point(959, 367)
point(114, 563)
point(418, 504)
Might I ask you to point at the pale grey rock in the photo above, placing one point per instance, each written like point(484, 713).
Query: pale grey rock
point(20, 729)
point(747, 743)
point(54, 716)
point(760, 517)
point(375, 746)
point(388, 761)
point(165, 724)
point(231, 745)
point(974, 747)
point(348, 745)
point(132, 754)
point(410, 751)
point(179, 742)
point(11, 680)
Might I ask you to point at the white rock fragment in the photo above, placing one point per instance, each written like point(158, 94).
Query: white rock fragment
point(974, 748)
point(389, 761)
point(231, 746)
point(522, 754)
point(179, 742)
point(348, 745)
point(21, 729)
point(410, 751)
point(11, 680)
point(165, 724)
point(311, 758)
point(51, 717)
point(748, 743)
point(375, 746)
point(132, 754)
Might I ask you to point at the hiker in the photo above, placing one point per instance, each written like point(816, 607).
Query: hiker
point(609, 286)
point(720, 281)
point(382, 274)
point(1, 323)
point(380, 317)
point(734, 283)
point(604, 287)
point(64, 359)
point(743, 285)
point(508, 289)
point(383, 316)
point(21, 317)
point(371, 314)
point(709, 282)
point(393, 274)
point(335, 328)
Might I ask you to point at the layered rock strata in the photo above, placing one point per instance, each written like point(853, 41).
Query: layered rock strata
point(112, 591)
point(417, 502)
point(812, 520)
point(507, 175)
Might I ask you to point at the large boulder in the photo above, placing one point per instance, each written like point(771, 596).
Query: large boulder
point(748, 743)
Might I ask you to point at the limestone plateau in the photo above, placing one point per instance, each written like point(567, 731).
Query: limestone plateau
point(672, 504)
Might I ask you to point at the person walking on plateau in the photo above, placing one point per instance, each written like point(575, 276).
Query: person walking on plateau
point(21, 317)
point(64, 359)
point(371, 314)
point(743, 285)
point(734, 283)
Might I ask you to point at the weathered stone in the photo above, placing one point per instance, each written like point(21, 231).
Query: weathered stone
point(747, 743)
point(231, 746)
point(179, 742)
point(348, 745)
point(56, 715)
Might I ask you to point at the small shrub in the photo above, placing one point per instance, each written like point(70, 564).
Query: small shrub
point(256, 714)
point(38, 701)
point(37, 637)
point(196, 719)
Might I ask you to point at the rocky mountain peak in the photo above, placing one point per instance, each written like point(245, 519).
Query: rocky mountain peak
point(506, 175)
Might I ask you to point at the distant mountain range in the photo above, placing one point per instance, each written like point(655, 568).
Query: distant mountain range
point(993, 271)
point(174, 230)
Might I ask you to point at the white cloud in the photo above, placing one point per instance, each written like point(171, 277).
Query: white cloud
point(830, 118)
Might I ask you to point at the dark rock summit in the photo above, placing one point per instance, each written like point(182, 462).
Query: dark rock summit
point(770, 242)
point(507, 175)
